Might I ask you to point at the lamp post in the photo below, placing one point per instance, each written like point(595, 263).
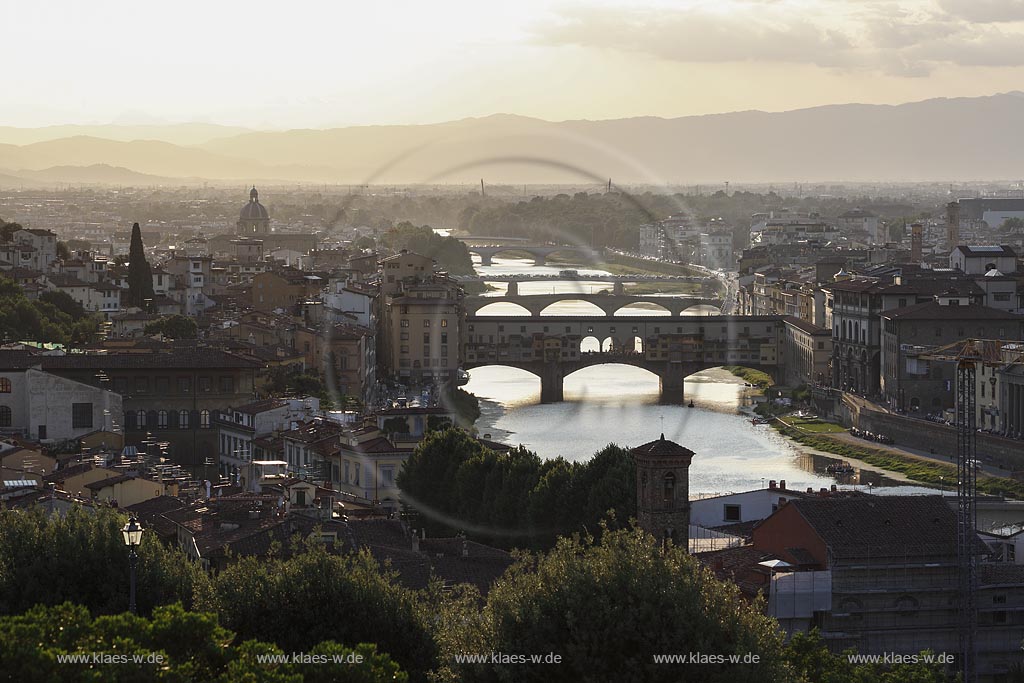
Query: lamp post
point(132, 532)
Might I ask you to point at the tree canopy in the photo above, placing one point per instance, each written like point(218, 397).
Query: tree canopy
point(450, 253)
point(53, 317)
point(81, 557)
point(607, 608)
point(172, 645)
point(513, 499)
point(315, 596)
point(174, 326)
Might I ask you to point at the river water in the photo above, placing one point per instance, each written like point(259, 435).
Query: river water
point(619, 404)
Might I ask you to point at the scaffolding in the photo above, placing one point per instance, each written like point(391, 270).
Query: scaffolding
point(967, 355)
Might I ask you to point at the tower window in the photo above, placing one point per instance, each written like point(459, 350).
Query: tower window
point(669, 487)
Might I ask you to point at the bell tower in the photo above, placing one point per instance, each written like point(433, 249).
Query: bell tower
point(663, 490)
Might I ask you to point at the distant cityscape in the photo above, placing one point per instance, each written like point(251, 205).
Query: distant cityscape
point(232, 380)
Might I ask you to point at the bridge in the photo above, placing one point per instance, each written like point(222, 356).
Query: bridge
point(539, 252)
point(672, 347)
point(609, 303)
point(568, 277)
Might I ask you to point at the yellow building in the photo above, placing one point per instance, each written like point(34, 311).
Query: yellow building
point(421, 319)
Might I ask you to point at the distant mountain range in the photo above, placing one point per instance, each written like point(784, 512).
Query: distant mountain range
point(940, 139)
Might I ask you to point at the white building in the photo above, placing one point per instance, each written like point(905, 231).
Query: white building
point(355, 300)
point(43, 406)
point(737, 508)
point(45, 244)
point(983, 259)
point(240, 426)
point(716, 250)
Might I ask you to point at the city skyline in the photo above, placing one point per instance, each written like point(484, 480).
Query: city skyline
point(393, 63)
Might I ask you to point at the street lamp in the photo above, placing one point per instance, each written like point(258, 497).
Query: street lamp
point(132, 532)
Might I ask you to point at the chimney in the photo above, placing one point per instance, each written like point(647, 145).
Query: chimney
point(834, 488)
point(782, 484)
point(771, 485)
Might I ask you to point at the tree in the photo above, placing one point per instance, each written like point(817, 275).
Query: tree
point(63, 251)
point(608, 608)
point(7, 230)
point(315, 596)
point(63, 302)
point(54, 317)
point(173, 645)
point(174, 326)
point(81, 557)
point(140, 277)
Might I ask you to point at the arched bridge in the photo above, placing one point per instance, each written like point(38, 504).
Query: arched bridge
point(539, 252)
point(671, 347)
point(609, 303)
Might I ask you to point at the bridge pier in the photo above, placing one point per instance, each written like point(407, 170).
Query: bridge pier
point(485, 259)
point(618, 288)
point(539, 260)
point(513, 288)
point(551, 388)
point(672, 383)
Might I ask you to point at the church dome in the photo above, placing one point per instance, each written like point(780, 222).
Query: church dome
point(254, 211)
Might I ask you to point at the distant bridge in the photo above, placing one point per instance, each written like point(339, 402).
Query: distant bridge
point(638, 277)
point(672, 347)
point(539, 252)
point(609, 303)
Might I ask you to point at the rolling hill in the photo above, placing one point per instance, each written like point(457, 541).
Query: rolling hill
point(940, 139)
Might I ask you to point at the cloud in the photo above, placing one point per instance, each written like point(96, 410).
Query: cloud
point(698, 36)
point(985, 11)
point(895, 38)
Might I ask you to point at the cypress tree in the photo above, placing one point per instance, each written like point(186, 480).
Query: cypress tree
point(140, 277)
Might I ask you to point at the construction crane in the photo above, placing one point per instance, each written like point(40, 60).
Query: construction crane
point(968, 354)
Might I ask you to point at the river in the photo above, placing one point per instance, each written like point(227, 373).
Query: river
point(619, 404)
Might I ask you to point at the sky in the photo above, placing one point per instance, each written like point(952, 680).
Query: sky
point(299, 64)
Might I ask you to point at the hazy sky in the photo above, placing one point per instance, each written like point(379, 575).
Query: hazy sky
point(341, 62)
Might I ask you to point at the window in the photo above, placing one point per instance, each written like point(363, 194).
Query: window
point(404, 336)
point(141, 385)
point(184, 385)
point(387, 473)
point(81, 416)
point(227, 384)
point(732, 513)
point(426, 337)
point(140, 420)
point(669, 487)
point(183, 419)
point(426, 323)
point(356, 479)
point(444, 337)
point(5, 385)
point(204, 419)
point(404, 323)
point(163, 385)
point(404, 348)
point(5, 416)
point(444, 323)
point(205, 384)
point(161, 419)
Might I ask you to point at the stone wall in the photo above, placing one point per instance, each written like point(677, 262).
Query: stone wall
point(918, 434)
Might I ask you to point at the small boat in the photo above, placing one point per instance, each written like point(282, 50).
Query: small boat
point(841, 467)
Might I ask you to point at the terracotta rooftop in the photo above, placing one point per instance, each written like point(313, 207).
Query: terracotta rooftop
point(662, 447)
